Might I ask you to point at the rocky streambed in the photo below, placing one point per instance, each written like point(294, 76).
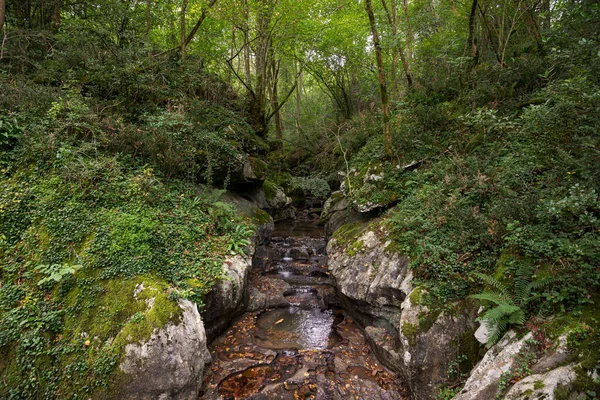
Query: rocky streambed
point(295, 341)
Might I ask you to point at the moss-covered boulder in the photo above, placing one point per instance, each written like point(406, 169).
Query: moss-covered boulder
point(278, 203)
point(241, 170)
point(168, 365)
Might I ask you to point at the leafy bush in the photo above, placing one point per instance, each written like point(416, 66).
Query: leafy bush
point(312, 186)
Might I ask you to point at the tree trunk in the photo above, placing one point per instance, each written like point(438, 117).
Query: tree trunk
point(409, 34)
point(275, 104)
point(398, 50)
point(2, 13)
point(148, 19)
point(471, 44)
point(298, 97)
point(56, 16)
point(387, 137)
point(246, 44)
point(182, 30)
point(533, 28)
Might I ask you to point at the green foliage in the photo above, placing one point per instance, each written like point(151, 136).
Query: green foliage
point(509, 306)
point(81, 225)
point(56, 272)
point(312, 186)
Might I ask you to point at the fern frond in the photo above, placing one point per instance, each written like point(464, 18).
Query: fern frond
point(493, 282)
point(494, 334)
point(503, 311)
point(493, 297)
point(522, 289)
point(540, 283)
point(518, 317)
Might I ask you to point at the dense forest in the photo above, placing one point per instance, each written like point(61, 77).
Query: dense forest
point(468, 131)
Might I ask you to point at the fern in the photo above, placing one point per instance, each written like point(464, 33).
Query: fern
point(508, 308)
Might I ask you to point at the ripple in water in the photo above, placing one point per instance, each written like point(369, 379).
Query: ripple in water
point(294, 328)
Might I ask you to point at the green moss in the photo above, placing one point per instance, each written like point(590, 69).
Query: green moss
point(260, 217)
point(537, 385)
point(349, 232)
point(426, 320)
point(108, 314)
point(259, 167)
point(562, 393)
point(410, 331)
point(355, 248)
point(270, 189)
point(415, 295)
point(583, 341)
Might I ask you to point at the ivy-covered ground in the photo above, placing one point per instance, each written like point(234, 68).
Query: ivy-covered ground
point(504, 201)
point(91, 206)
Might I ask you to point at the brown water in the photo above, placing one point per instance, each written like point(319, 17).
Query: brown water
point(296, 344)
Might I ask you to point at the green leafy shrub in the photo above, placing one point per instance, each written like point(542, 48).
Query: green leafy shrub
point(312, 186)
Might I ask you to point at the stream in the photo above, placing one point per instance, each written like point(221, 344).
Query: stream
point(295, 342)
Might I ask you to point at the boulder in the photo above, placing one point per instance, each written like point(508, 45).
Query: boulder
point(337, 211)
point(245, 169)
point(275, 196)
point(169, 365)
point(250, 203)
point(376, 288)
point(228, 298)
point(485, 377)
point(543, 386)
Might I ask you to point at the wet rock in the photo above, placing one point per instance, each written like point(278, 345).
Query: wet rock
point(228, 298)
point(483, 381)
point(171, 364)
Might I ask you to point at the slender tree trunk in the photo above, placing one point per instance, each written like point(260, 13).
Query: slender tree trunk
point(246, 43)
point(231, 54)
point(148, 18)
point(2, 13)
point(298, 97)
point(471, 44)
point(387, 137)
point(398, 50)
point(203, 16)
point(182, 30)
point(409, 40)
point(275, 103)
point(533, 27)
point(56, 16)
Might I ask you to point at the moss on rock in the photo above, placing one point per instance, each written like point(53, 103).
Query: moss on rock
point(349, 232)
point(270, 189)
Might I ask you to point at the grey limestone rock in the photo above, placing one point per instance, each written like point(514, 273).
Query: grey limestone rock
point(171, 364)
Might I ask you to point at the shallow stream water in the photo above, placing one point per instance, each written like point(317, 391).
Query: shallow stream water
point(297, 343)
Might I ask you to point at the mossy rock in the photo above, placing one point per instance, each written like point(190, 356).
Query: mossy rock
point(260, 217)
point(270, 189)
point(349, 233)
point(259, 168)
